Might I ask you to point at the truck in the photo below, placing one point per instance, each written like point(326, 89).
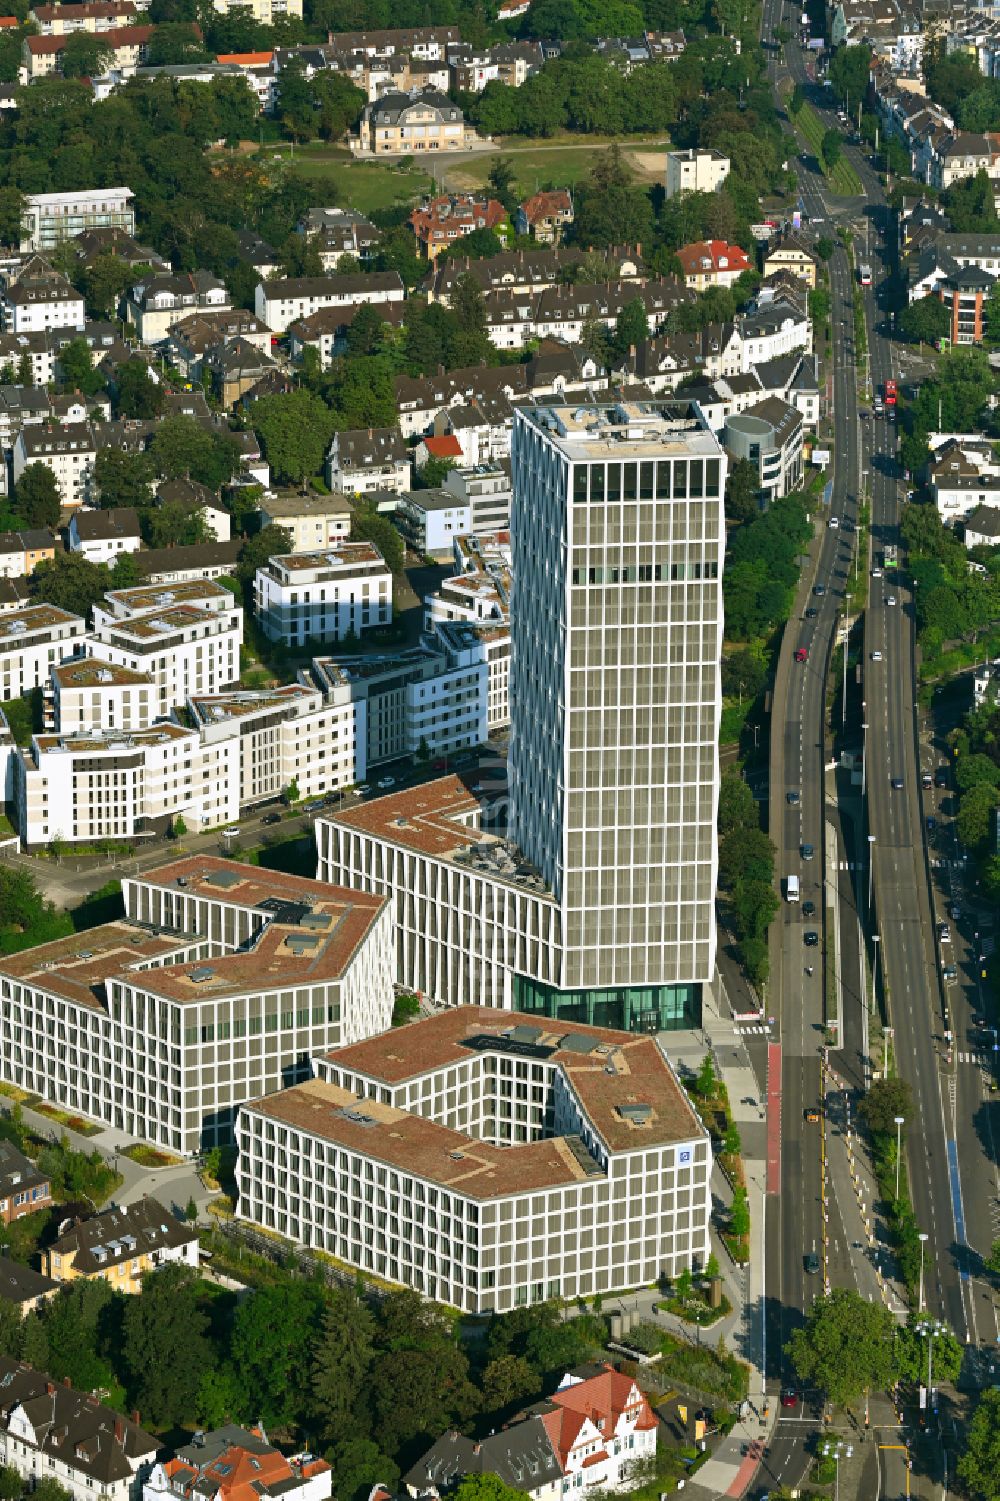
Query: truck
point(890, 393)
point(792, 888)
point(865, 274)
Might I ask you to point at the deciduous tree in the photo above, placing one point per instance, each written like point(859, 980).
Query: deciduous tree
point(845, 1346)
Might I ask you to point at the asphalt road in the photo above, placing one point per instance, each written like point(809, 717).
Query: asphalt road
point(798, 754)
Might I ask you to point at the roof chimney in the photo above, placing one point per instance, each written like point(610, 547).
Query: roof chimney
point(135, 1416)
point(66, 1381)
point(50, 1389)
point(119, 1431)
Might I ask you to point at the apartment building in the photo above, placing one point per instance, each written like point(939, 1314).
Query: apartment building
point(287, 736)
point(36, 298)
point(51, 218)
point(153, 306)
point(31, 639)
point(431, 519)
point(439, 222)
point(327, 595)
point(265, 12)
point(545, 216)
point(219, 983)
point(406, 124)
point(120, 1246)
point(199, 594)
point(41, 56)
point(312, 521)
point(185, 650)
point(467, 645)
point(695, 171)
point(84, 693)
point(486, 490)
point(362, 460)
point(23, 1189)
point(116, 784)
point(49, 1429)
point(236, 1464)
point(91, 16)
point(487, 1162)
point(414, 701)
point(595, 1430)
point(282, 302)
point(600, 903)
point(69, 450)
point(337, 232)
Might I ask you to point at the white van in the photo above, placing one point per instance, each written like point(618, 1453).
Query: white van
point(792, 888)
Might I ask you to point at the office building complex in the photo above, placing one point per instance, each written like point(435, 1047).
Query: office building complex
point(487, 1162)
point(599, 906)
point(216, 988)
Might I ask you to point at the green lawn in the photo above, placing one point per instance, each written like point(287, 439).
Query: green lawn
point(540, 164)
point(843, 179)
point(365, 186)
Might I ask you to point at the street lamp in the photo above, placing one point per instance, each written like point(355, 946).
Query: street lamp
point(923, 1238)
point(871, 853)
point(836, 1449)
point(899, 1149)
point(931, 1329)
point(875, 971)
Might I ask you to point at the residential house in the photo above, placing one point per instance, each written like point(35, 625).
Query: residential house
point(103, 536)
point(23, 1288)
point(431, 519)
point(545, 216)
point(982, 528)
point(237, 1464)
point(367, 459)
point(417, 124)
point(769, 436)
point(326, 330)
point(193, 337)
point(154, 305)
point(36, 298)
point(49, 1428)
point(337, 232)
point(439, 222)
point(712, 263)
point(792, 253)
point(23, 1188)
point(177, 565)
point(237, 368)
point(120, 1246)
point(192, 496)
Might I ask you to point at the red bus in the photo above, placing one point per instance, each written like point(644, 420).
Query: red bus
point(890, 393)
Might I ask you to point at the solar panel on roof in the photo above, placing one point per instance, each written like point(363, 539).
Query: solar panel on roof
point(224, 878)
point(577, 1042)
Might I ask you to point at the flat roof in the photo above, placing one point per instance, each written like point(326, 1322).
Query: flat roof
point(212, 708)
point(162, 622)
point(153, 596)
point(92, 672)
point(334, 504)
point(121, 742)
point(420, 1146)
point(37, 618)
point(314, 931)
point(77, 967)
point(441, 819)
point(624, 430)
point(341, 555)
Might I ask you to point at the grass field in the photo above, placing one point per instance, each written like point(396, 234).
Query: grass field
point(843, 179)
point(365, 186)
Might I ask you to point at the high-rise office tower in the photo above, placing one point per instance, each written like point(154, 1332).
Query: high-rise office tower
point(599, 906)
point(618, 539)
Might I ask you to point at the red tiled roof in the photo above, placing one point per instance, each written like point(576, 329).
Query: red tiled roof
point(445, 447)
point(118, 36)
point(9, 21)
point(544, 205)
point(719, 255)
point(246, 59)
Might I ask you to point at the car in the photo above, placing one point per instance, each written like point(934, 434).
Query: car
point(890, 599)
point(876, 656)
point(812, 1114)
point(896, 784)
point(808, 909)
point(819, 590)
point(792, 798)
point(833, 523)
point(812, 1263)
point(941, 777)
point(876, 572)
point(270, 818)
point(231, 832)
point(807, 852)
point(789, 1399)
point(955, 912)
point(949, 974)
point(811, 938)
point(362, 788)
point(944, 932)
point(385, 782)
point(314, 806)
point(926, 780)
point(801, 653)
point(890, 413)
point(931, 823)
point(812, 612)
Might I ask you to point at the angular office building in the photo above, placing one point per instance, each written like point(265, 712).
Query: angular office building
point(599, 907)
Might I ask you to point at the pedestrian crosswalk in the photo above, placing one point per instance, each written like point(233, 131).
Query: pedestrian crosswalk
point(981, 1060)
point(753, 1031)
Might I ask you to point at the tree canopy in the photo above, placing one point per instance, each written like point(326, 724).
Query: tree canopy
point(845, 1346)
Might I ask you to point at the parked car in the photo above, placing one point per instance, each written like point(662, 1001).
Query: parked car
point(270, 818)
point(385, 782)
